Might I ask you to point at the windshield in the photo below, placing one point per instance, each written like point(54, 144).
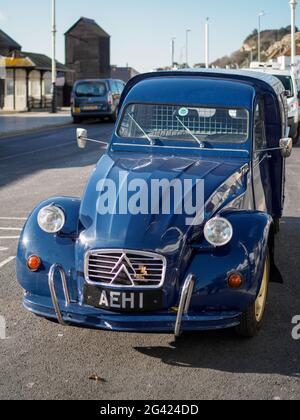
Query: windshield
point(171, 123)
point(287, 83)
point(90, 89)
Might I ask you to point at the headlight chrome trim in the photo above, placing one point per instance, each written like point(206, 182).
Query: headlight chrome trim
point(208, 226)
point(60, 213)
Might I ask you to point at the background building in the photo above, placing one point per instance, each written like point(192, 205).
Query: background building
point(123, 73)
point(26, 78)
point(7, 44)
point(87, 51)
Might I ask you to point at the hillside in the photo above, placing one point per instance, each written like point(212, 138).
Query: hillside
point(272, 41)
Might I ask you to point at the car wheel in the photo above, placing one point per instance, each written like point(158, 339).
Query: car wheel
point(251, 320)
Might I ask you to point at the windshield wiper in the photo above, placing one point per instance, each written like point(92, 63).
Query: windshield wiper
point(201, 144)
point(141, 129)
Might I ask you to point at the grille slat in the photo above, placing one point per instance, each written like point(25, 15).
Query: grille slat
point(125, 269)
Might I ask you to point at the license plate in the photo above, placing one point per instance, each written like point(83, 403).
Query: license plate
point(90, 107)
point(128, 301)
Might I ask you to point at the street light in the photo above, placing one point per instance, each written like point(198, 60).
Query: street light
point(293, 4)
point(173, 52)
point(187, 46)
point(54, 109)
point(207, 43)
point(260, 15)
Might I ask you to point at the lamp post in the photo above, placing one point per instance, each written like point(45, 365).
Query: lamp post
point(54, 109)
point(260, 15)
point(187, 46)
point(207, 43)
point(293, 4)
point(251, 53)
point(173, 52)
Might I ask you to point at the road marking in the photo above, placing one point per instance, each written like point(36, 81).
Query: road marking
point(38, 150)
point(13, 218)
point(9, 228)
point(8, 260)
point(9, 237)
point(3, 249)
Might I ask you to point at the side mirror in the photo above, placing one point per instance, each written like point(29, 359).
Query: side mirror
point(286, 146)
point(81, 138)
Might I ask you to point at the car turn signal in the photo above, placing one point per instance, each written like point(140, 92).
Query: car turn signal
point(34, 263)
point(235, 281)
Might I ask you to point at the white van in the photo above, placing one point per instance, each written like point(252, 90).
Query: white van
point(289, 82)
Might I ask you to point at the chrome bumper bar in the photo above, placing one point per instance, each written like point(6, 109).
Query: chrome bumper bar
point(183, 309)
point(185, 301)
point(51, 282)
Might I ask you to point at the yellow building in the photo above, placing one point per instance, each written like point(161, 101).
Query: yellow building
point(26, 78)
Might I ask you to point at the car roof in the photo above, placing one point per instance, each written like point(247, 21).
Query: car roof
point(98, 80)
point(269, 70)
point(246, 81)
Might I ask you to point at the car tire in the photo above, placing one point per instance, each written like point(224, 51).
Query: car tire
point(296, 138)
point(114, 117)
point(252, 319)
point(77, 120)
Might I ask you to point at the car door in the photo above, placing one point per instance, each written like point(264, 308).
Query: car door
point(261, 162)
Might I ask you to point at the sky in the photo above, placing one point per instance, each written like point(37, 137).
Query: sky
point(141, 30)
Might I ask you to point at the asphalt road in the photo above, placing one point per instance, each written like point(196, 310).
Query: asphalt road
point(42, 360)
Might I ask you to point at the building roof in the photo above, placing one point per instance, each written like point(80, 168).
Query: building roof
point(32, 61)
point(43, 62)
point(7, 42)
point(93, 26)
point(18, 62)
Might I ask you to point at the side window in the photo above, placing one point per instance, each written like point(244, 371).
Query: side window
point(113, 86)
point(121, 87)
point(259, 127)
point(116, 88)
point(284, 114)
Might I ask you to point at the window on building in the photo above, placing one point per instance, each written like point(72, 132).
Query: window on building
point(9, 87)
point(47, 87)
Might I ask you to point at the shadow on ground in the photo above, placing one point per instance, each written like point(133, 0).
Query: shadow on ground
point(274, 350)
point(23, 156)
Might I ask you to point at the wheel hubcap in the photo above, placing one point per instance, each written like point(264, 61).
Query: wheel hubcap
point(261, 300)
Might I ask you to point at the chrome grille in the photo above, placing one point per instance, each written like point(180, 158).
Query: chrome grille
point(122, 268)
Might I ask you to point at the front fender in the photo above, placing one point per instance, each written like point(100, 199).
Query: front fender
point(246, 254)
point(58, 248)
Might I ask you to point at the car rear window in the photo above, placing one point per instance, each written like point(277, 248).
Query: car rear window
point(184, 123)
point(90, 89)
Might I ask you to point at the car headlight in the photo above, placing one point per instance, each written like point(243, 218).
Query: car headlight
point(218, 231)
point(51, 219)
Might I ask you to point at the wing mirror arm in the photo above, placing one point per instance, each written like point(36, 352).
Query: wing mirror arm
point(82, 139)
point(285, 146)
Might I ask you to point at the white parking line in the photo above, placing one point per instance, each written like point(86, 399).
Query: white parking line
point(10, 228)
point(9, 237)
point(2, 249)
point(13, 218)
point(8, 260)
